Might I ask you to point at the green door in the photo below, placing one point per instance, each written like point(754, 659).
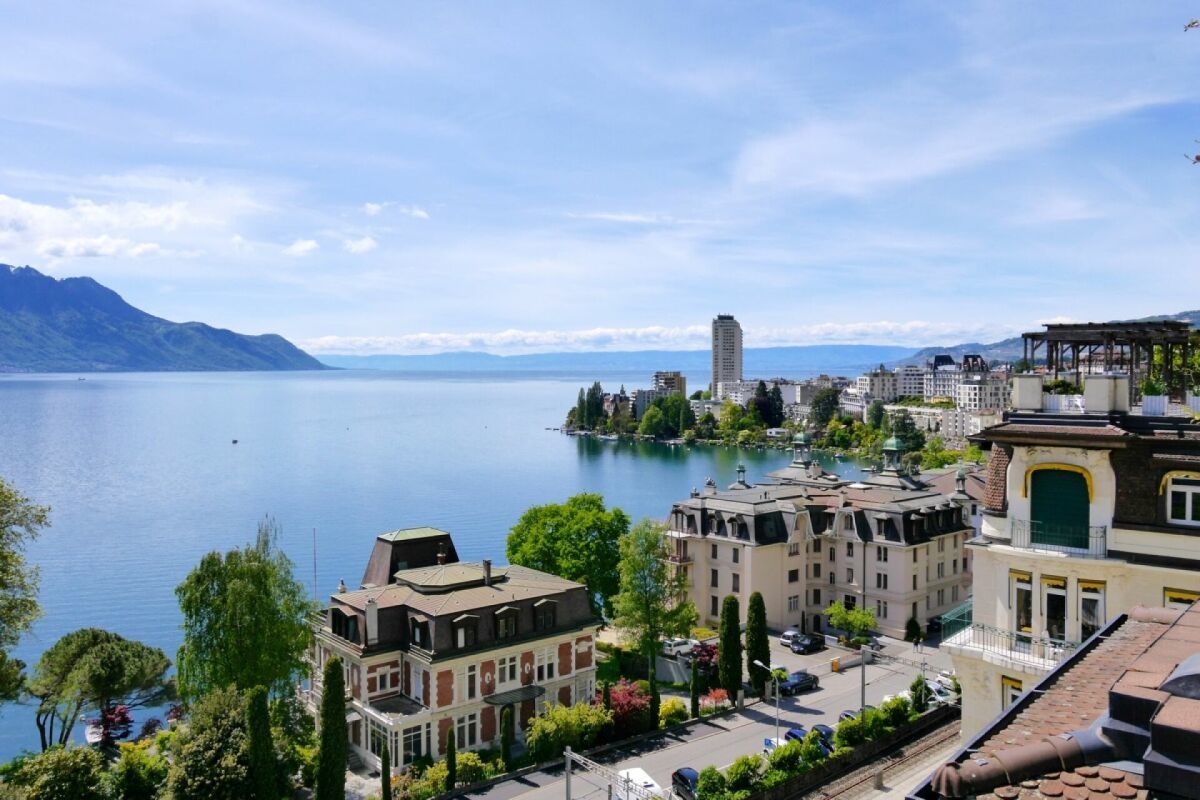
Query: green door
point(1058, 509)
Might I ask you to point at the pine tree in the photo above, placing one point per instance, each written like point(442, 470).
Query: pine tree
point(506, 736)
point(385, 772)
point(331, 758)
point(758, 645)
point(729, 659)
point(263, 775)
point(451, 761)
point(695, 689)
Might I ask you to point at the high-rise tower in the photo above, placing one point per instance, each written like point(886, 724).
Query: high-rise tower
point(726, 353)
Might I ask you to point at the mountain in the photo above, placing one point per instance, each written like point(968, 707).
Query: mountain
point(758, 361)
point(78, 325)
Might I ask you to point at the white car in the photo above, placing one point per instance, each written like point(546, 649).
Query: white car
point(940, 694)
point(635, 776)
point(677, 647)
point(785, 638)
point(945, 679)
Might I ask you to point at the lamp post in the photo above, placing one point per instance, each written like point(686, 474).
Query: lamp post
point(774, 678)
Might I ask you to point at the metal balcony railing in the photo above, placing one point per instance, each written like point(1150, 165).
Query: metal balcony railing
point(955, 620)
point(1087, 541)
point(1036, 651)
point(679, 558)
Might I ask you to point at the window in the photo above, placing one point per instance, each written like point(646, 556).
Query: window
point(1179, 598)
point(914, 555)
point(468, 731)
point(544, 665)
point(941, 597)
point(849, 600)
point(849, 548)
point(1021, 601)
point(714, 579)
point(881, 609)
point(914, 584)
point(941, 569)
point(506, 671)
point(914, 610)
point(465, 633)
point(817, 570)
point(794, 603)
point(1091, 608)
point(941, 545)
point(416, 631)
point(881, 580)
point(848, 523)
point(384, 681)
point(412, 745)
point(544, 616)
point(831, 576)
point(816, 597)
point(736, 583)
point(832, 554)
point(737, 554)
point(713, 610)
point(1183, 505)
point(850, 575)
point(953, 594)
point(1010, 689)
point(794, 549)
point(714, 552)
point(954, 565)
point(506, 625)
point(793, 576)
point(881, 553)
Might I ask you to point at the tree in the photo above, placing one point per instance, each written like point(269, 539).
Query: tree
point(61, 773)
point(245, 620)
point(824, 406)
point(758, 645)
point(577, 540)
point(261, 748)
point(652, 600)
point(139, 773)
point(630, 708)
point(729, 657)
point(904, 429)
point(919, 690)
point(677, 414)
point(694, 686)
point(93, 669)
point(331, 758)
point(875, 414)
point(711, 783)
point(507, 736)
point(20, 523)
point(210, 760)
point(855, 621)
point(385, 772)
point(912, 630)
point(653, 423)
point(451, 762)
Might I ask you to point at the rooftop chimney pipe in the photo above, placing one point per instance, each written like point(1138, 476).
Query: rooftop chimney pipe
point(487, 572)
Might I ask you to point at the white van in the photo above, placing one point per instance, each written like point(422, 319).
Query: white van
point(636, 776)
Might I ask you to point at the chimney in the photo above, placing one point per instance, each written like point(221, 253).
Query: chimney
point(1027, 392)
point(1104, 394)
point(441, 555)
point(487, 572)
point(372, 621)
point(341, 586)
point(741, 473)
point(695, 492)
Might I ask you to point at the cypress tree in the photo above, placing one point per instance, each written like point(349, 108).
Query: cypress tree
point(451, 761)
point(729, 659)
point(758, 645)
point(506, 736)
point(695, 689)
point(385, 772)
point(655, 699)
point(261, 749)
point(606, 696)
point(331, 758)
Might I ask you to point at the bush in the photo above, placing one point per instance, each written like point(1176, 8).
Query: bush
point(672, 712)
point(473, 768)
point(61, 773)
point(920, 694)
point(772, 778)
point(630, 710)
point(912, 630)
point(306, 757)
point(810, 749)
point(643, 686)
point(896, 712)
point(710, 783)
point(211, 760)
point(578, 727)
point(703, 634)
point(850, 732)
point(743, 773)
point(714, 701)
point(787, 758)
point(138, 774)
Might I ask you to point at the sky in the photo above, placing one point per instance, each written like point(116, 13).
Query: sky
point(521, 177)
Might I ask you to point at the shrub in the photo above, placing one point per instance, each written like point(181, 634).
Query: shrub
point(912, 630)
point(850, 732)
point(61, 773)
point(874, 724)
point(896, 712)
point(138, 774)
point(211, 760)
point(743, 773)
point(578, 727)
point(307, 759)
point(672, 712)
point(920, 694)
point(714, 701)
point(772, 778)
point(710, 783)
point(472, 768)
point(787, 758)
point(810, 749)
point(643, 686)
point(703, 634)
point(630, 710)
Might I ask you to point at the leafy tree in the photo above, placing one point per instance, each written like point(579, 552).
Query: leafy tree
point(904, 429)
point(651, 603)
point(385, 772)
point(758, 645)
point(20, 523)
point(912, 630)
point(331, 761)
point(245, 620)
point(710, 783)
point(921, 694)
point(729, 657)
point(694, 687)
point(578, 727)
point(654, 423)
point(778, 415)
point(677, 414)
point(74, 773)
point(706, 426)
point(594, 406)
point(630, 707)
point(138, 774)
point(875, 414)
point(507, 735)
point(577, 540)
point(451, 762)
point(697, 395)
point(824, 406)
point(261, 748)
point(973, 452)
point(855, 621)
point(211, 756)
point(744, 772)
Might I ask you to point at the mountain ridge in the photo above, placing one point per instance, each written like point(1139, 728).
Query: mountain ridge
point(79, 325)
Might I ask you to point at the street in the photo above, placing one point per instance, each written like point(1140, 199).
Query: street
point(719, 742)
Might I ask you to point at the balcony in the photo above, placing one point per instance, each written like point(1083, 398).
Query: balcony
point(1081, 541)
point(679, 558)
point(963, 636)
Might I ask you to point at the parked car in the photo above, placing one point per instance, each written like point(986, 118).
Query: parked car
point(770, 743)
point(934, 626)
point(845, 715)
point(676, 646)
point(683, 783)
point(825, 732)
point(799, 681)
point(945, 678)
point(637, 777)
point(787, 636)
point(940, 694)
point(807, 643)
point(795, 734)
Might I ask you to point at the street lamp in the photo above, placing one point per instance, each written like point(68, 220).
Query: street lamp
point(775, 678)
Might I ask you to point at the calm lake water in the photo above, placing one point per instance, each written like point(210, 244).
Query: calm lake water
point(143, 478)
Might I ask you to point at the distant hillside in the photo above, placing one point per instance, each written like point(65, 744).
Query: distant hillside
point(1012, 349)
point(761, 362)
point(77, 325)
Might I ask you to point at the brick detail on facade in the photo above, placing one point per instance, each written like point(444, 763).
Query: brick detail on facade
point(526, 668)
point(564, 658)
point(583, 658)
point(445, 688)
point(526, 713)
point(564, 695)
point(487, 674)
point(995, 495)
point(425, 689)
point(487, 723)
point(444, 727)
point(371, 686)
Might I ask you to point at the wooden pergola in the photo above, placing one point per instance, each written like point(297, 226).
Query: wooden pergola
point(1130, 347)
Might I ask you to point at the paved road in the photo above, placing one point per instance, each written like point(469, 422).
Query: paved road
point(721, 741)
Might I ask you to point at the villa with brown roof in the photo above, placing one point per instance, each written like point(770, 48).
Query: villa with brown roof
point(432, 645)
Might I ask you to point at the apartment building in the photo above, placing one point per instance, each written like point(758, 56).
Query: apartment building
point(1085, 514)
point(742, 392)
point(910, 381)
point(726, 352)
point(432, 645)
point(889, 543)
point(981, 390)
point(944, 375)
point(671, 382)
point(878, 384)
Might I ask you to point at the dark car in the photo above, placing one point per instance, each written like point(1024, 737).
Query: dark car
point(683, 781)
point(849, 714)
point(808, 644)
point(797, 733)
point(825, 732)
point(934, 626)
point(800, 681)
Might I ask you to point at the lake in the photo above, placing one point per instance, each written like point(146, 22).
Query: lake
point(143, 478)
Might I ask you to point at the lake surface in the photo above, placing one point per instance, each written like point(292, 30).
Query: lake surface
point(143, 478)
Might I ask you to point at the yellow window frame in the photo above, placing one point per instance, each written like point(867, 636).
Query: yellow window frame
point(1087, 476)
point(1176, 473)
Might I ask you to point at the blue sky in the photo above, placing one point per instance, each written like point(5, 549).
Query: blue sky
point(385, 177)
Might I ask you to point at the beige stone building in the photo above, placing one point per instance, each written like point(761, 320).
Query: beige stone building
point(1085, 515)
point(888, 542)
point(431, 646)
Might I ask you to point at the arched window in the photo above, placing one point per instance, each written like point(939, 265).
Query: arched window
point(1183, 500)
point(1058, 508)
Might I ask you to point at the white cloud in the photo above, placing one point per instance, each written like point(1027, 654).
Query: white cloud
point(372, 209)
point(375, 209)
point(359, 246)
point(301, 247)
point(96, 247)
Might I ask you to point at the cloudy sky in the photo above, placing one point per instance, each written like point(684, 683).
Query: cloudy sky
point(387, 177)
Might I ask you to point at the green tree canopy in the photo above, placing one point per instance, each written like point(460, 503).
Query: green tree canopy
point(20, 523)
point(577, 540)
point(854, 620)
point(729, 656)
point(824, 406)
point(904, 429)
point(654, 423)
point(677, 414)
point(758, 643)
point(60, 773)
point(652, 600)
point(331, 759)
point(245, 620)
point(211, 759)
point(875, 414)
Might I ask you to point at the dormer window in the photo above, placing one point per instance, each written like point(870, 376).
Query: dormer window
point(419, 633)
point(506, 623)
point(344, 625)
point(1183, 501)
point(466, 630)
point(544, 615)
